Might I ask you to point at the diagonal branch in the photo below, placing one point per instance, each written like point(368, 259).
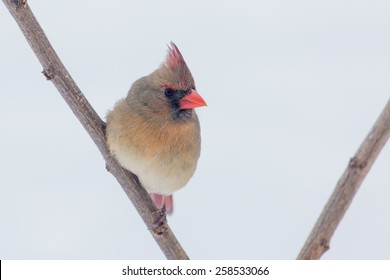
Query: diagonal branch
point(318, 241)
point(55, 71)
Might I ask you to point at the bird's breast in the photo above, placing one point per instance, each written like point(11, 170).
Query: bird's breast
point(163, 155)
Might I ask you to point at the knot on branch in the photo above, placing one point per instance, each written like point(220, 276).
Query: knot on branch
point(324, 243)
point(48, 73)
point(356, 163)
point(19, 3)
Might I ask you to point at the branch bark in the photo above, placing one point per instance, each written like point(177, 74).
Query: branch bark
point(347, 186)
point(55, 71)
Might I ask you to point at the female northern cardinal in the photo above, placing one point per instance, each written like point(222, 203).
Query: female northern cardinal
point(154, 132)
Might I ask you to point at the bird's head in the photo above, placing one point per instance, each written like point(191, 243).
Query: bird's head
point(170, 90)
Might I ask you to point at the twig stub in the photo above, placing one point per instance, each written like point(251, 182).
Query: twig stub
point(356, 163)
point(48, 73)
point(19, 3)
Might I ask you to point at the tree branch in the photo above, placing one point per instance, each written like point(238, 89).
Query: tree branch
point(347, 186)
point(55, 71)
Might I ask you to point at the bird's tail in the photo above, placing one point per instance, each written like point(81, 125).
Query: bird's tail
point(160, 200)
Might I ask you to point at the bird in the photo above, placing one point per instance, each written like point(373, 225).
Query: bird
point(154, 132)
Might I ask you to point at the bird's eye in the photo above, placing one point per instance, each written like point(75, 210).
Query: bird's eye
point(169, 92)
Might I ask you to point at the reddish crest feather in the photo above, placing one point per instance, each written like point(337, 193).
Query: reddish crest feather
point(176, 63)
point(174, 57)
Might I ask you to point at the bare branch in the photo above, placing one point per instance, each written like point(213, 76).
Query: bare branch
point(55, 71)
point(318, 241)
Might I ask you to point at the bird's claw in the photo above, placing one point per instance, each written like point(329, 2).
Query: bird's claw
point(160, 220)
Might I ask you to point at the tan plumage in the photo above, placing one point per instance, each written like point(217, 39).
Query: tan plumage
point(154, 132)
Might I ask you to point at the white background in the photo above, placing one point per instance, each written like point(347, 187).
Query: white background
point(194, 269)
point(292, 87)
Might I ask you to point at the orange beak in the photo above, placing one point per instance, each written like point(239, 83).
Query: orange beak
point(192, 100)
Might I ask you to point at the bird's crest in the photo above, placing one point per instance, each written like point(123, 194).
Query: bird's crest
point(174, 58)
point(180, 76)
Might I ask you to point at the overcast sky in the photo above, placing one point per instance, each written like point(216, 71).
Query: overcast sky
point(292, 87)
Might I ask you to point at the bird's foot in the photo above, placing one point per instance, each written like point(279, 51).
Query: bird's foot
point(160, 221)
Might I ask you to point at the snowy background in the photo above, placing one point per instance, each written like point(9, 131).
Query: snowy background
point(292, 87)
